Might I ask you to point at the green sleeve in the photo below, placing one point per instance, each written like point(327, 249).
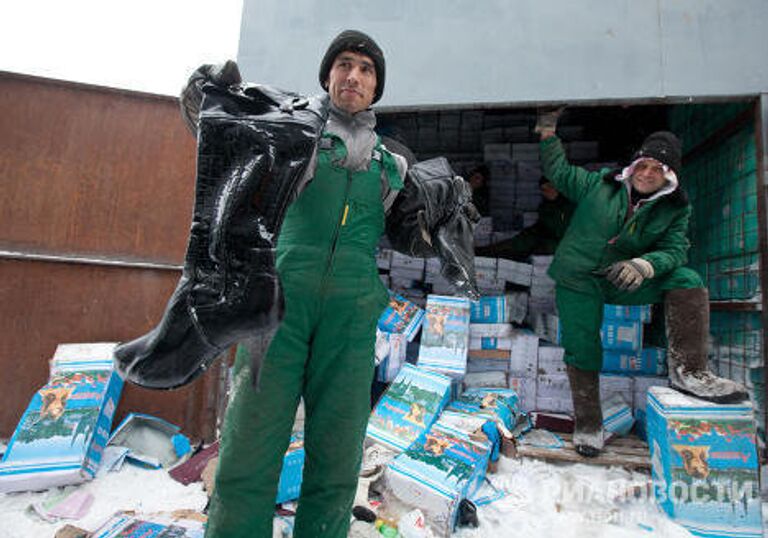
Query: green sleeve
point(572, 181)
point(671, 251)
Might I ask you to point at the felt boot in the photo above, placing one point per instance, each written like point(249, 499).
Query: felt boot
point(588, 434)
point(687, 321)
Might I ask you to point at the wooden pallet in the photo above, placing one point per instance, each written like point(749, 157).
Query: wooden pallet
point(630, 452)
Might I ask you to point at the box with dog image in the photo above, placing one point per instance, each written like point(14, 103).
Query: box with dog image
point(704, 463)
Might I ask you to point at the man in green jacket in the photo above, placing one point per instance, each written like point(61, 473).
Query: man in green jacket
point(541, 237)
point(627, 244)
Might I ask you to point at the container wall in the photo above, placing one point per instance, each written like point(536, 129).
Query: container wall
point(99, 174)
point(720, 171)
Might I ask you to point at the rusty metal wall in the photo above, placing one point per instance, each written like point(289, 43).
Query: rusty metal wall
point(100, 174)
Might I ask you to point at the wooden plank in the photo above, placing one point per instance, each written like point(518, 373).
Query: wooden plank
point(627, 451)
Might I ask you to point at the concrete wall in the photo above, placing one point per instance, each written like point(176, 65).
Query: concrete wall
point(458, 52)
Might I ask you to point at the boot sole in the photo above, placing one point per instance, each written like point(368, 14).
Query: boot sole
point(736, 397)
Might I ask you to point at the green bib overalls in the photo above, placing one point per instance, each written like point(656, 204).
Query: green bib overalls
point(323, 351)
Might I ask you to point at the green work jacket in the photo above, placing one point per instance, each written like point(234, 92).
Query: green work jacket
point(600, 232)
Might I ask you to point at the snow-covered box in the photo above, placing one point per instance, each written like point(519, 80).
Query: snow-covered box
point(704, 464)
point(440, 469)
point(408, 407)
point(61, 435)
point(445, 337)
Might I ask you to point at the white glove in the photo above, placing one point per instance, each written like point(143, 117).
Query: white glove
point(629, 274)
point(546, 119)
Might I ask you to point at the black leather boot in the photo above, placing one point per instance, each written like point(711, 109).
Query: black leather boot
point(254, 146)
point(687, 320)
point(588, 434)
point(434, 216)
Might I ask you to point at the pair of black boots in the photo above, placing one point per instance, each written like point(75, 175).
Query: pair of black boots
point(687, 325)
point(254, 146)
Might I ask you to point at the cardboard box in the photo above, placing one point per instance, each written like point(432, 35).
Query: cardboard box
point(392, 361)
point(524, 353)
point(704, 464)
point(515, 272)
point(621, 335)
point(436, 473)
point(641, 313)
point(289, 486)
point(408, 407)
point(130, 525)
point(489, 310)
point(61, 436)
point(632, 362)
point(525, 387)
point(550, 360)
point(500, 405)
point(489, 342)
point(445, 338)
point(401, 316)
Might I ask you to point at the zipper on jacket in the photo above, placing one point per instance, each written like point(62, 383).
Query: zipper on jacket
point(341, 221)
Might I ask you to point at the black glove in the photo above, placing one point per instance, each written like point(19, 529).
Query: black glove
point(629, 274)
point(224, 75)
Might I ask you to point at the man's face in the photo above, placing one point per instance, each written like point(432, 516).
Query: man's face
point(476, 180)
point(352, 82)
point(549, 192)
point(648, 176)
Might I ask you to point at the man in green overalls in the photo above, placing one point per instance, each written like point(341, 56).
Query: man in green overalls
point(323, 350)
point(627, 244)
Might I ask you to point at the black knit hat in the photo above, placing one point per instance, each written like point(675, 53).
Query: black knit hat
point(663, 146)
point(354, 41)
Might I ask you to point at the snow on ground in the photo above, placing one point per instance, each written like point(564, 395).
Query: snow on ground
point(131, 488)
point(543, 500)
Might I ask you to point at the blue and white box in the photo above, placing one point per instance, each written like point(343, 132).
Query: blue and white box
point(409, 407)
point(391, 348)
point(445, 339)
point(497, 404)
point(492, 309)
point(401, 316)
point(289, 486)
point(61, 436)
point(439, 470)
point(704, 464)
point(617, 415)
point(641, 313)
point(644, 362)
point(622, 335)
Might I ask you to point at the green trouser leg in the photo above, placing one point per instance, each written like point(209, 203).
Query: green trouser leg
point(581, 314)
point(337, 400)
point(256, 433)
point(333, 374)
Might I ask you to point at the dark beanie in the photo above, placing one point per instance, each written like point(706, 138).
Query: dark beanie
point(354, 41)
point(664, 147)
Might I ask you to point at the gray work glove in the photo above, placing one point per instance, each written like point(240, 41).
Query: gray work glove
point(546, 119)
point(629, 274)
point(225, 75)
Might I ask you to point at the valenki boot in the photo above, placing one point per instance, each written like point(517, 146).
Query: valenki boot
point(588, 434)
point(254, 146)
point(687, 321)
